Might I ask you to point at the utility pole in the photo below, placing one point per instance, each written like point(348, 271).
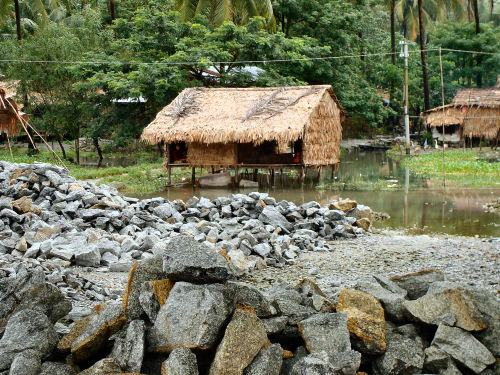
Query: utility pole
point(404, 53)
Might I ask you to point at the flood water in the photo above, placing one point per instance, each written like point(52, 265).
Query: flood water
point(414, 204)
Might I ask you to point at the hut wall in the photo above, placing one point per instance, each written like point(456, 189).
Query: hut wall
point(212, 154)
point(482, 122)
point(321, 142)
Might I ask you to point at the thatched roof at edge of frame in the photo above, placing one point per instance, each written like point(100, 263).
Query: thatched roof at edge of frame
point(8, 108)
point(481, 97)
point(237, 115)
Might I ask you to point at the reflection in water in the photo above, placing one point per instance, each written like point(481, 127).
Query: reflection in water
point(458, 211)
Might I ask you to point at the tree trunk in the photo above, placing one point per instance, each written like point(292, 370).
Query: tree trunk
point(427, 105)
point(393, 32)
point(18, 20)
point(60, 141)
point(479, 77)
point(112, 9)
point(77, 146)
point(95, 141)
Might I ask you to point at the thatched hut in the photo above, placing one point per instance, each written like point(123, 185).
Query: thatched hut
point(473, 113)
point(9, 111)
point(250, 127)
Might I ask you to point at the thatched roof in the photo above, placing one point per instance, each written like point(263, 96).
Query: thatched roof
point(476, 110)
point(237, 115)
point(9, 110)
point(481, 97)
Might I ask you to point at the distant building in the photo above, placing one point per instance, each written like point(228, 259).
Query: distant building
point(250, 127)
point(473, 113)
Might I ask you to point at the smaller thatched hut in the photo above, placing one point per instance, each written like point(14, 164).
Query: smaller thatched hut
point(9, 111)
point(250, 127)
point(473, 113)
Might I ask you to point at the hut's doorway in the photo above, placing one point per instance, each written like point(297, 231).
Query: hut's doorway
point(178, 152)
point(269, 152)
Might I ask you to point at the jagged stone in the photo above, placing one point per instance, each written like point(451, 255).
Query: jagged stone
point(153, 295)
point(456, 307)
point(129, 351)
point(187, 260)
point(267, 362)
point(251, 296)
point(463, 347)
point(141, 272)
point(56, 368)
point(417, 283)
point(365, 320)
point(100, 328)
point(26, 329)
point(103, 367)
point(64, 345)
point(326, 333)
point(193, 317)
point(26, 363)
point(180, 362)
point(393, 303)
point(244, 338)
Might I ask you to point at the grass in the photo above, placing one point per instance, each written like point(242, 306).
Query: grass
point(463, 168)
point(146, 176)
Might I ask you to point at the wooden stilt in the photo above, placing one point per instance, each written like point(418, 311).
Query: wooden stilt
point(255, 174)
point(272, 177)
point(169, 168)
point(193, 175)
point(10, 147)
point(236, 175)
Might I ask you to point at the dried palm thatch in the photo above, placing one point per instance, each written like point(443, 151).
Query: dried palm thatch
point(184, 103)
point(476, 111)
point(9, 110)
point(256, 115)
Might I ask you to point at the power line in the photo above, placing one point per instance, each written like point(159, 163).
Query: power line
point(166, 63)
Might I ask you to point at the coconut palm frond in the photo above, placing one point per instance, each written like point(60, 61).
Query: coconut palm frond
point(223, 11)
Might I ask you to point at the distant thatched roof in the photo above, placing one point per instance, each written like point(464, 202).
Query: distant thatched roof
point(481, 97)
point(9, 110)
point(477, 110)
point(237, 115)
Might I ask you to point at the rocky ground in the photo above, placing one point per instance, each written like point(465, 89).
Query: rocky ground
point(95, 283)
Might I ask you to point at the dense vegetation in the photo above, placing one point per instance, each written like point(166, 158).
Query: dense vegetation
point(94, 55)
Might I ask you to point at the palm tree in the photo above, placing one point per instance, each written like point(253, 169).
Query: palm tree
point(425, 79)
point(219, 11)
point(37, 10)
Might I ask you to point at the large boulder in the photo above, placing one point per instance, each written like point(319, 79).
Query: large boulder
point(185, 259)
point(289, 302)
point(153, 295)
point(250, 296)
point(45, 298)
point(27, 329)
point(365, 320)
point(56, 368)
point(244, 337)
point(463, 347)
point(417, 283)
point(140, 272)
point(403, 356)
point(129, 350)
point(110, 320)
point(326, 333)
point(453, 307)
point(193, 317)
point(267, 362)
point(393, 303)
point(489, 306)
point(314, 364)
point(180, 362)
point(26, 363)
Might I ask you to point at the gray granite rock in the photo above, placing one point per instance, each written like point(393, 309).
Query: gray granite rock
point(463, 347)
point(417, 284)
point(393, 303)
point(251, 296)
point(193, 316)
point(185, 259)
point(180, 362)
point(326, 333)
point(267, 362)
point(271, 215)
point(314, 364)
point(26, 329)
point(26, 363)
point(403, 356)
point(56, 368)
point(129, 351)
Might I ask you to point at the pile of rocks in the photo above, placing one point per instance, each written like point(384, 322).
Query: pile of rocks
point(493, 206)
point(182, 314)
point(45, 213)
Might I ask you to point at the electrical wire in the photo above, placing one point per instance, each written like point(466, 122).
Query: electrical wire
point(240, 62)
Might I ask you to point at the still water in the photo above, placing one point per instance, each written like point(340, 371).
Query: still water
point(414, 204)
